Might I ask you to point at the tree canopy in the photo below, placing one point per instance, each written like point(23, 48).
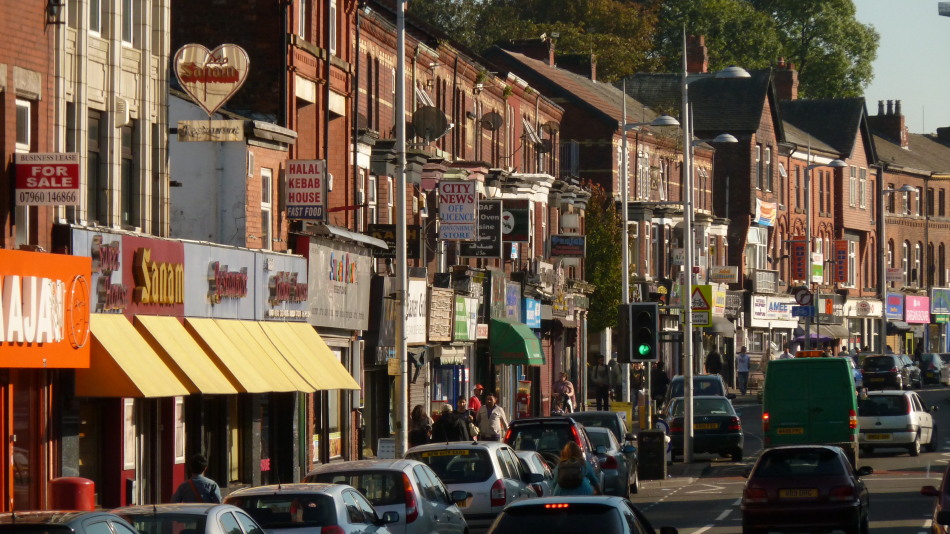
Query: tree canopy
point(602, 262)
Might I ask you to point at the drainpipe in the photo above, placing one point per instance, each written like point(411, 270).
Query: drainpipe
point(356, 123)
point(282, 113)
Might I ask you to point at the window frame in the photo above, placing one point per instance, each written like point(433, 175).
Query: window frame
point(24, 146)
point(863, 188)
point(267, 208)
point(334, 29)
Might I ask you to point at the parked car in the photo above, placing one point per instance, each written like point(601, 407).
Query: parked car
point(535, 463)
point(93, 522)
point(890, 371)
point(489, 470)
point(940, 522)
point(189, 519)
point(805, 487)
point(717, 428)
point(333, 508)
point(407, 487)
point(856, 371)
point(894, 418)
point(611, 420)
point(617, 462)
point(934, 370)
point(548, 435)
point(705, 385)
point(567, 515)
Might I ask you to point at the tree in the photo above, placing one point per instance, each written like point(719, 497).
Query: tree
point(602, 262)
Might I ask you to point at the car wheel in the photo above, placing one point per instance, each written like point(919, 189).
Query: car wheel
point(934, 442)
point(915, 446)
point(635, 487)
point(737, 455)
point(862, 527)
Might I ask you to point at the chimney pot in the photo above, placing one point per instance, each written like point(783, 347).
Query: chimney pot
point(880, 107)
point(781, 62)
point(897, 107)
point(890, 107)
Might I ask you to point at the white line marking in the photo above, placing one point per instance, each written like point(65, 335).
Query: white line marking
point(725, 513)
point(704, 529)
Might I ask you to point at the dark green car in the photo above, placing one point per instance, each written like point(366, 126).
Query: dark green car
point(716, 426)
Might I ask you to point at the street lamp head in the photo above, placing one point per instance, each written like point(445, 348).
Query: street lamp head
point(662, 120)
point(733, 71)
point(725, 138)
point(907, 188)
point(835, 164)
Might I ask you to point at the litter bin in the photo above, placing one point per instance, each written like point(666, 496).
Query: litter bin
point(72, 493)
point(651, 453)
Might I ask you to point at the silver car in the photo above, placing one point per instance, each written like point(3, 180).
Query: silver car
point(189, 519)
point(489, 470)
point(894, 418)
point(536, 463)
point(617, 462)
point(331, 508)
point(406, 487)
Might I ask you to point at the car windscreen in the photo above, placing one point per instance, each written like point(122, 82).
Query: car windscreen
point(456, 466)
point(382, 488)
point(883, 405)
point(559, 517)
point(541, 437)
point(703, 407)
point(288, 510)
point(601, 422)
point(701, 386)
point(599, 438)
point(927, 358)
point(879, 363)
point(161, 523)
point(798, 463)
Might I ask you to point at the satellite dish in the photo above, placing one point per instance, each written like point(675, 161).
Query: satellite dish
point(491, 121)
point(551, 127)
point(544, 146)
point(429, 123)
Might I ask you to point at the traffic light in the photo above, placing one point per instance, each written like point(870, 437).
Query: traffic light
point(639, 326)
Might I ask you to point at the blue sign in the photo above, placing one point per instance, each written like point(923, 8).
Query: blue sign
point(803, 311)
point(939, 300)
point(532, 313)
point(894, 306)
point(513, 301)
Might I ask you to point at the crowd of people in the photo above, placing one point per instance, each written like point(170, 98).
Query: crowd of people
point(478, 418)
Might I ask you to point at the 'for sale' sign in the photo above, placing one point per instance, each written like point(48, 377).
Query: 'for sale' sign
point(47, 179)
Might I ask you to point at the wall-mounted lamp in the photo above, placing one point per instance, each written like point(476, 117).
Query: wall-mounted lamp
point(53, 9)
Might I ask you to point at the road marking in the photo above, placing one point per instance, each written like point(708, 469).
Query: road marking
point(704, 529)
point(711, 489)
point(725, 513)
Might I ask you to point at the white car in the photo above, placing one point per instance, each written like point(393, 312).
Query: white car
point(893, 418)
point(489, 470)
point(406, 487)
point(538, 464)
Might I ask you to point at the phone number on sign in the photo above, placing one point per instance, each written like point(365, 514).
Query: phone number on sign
point(36, 198)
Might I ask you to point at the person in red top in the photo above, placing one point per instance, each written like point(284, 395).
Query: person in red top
point(475, 402)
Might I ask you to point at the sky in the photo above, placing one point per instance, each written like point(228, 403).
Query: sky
point(913, 60)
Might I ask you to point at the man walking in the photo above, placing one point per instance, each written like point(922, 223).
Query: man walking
point(491, 420)
point(785, 355)
point(714, 362)
point(742, 369)
point(198, 488)
point(600, 376)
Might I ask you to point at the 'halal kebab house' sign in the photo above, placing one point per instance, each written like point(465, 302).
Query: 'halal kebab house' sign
point(211, 77)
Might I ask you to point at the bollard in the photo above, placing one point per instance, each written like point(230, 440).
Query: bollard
point(72, 493)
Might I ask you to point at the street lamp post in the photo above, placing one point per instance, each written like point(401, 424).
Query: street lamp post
point(882, 253)
point(836, 164)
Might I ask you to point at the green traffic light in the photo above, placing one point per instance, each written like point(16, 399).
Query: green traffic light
point(644, 349)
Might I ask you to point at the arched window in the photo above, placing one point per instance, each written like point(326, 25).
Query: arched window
point(905, 262)
point(918, 264)
point(941, 263)
point(931, 264)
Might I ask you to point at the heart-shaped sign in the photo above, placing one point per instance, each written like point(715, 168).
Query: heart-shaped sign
point(211, 77)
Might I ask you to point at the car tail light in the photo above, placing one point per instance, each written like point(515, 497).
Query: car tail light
point(932, 367)
point(907, 407)
point(412, 507)
point(755, 495)
point(734, 424)
point(332, 529)
point(841, 493)
point(893, 370)
point(508, 437)
point(852, 420)
point(557, 505)
point(765, 421)
point(676, 426)
point(609, 462)
point(498, 493)
point(577, 437)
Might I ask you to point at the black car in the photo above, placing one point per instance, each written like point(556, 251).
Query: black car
point(92, 522)
point(717, 428)
point(611, 420)
point(890, 371)
point(548, 435)
point(706, 385)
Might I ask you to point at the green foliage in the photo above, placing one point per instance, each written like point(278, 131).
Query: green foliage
point(603, 260)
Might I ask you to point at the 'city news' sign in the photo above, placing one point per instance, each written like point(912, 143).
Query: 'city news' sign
point(458, 210)
point(306, 190)
point(47, 179)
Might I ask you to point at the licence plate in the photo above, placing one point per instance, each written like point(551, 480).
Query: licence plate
point(877, 379)
point(793, 430)
point(706, 426)
point(797, 493)
point(878, 436)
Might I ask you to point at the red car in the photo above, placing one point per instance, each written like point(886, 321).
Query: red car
point(805, 487)
point(941, 517)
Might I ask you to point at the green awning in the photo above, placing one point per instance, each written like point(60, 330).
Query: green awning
point(514, 343)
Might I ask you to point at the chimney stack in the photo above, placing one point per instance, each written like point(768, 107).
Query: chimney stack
point(880, 107)
point(539, 49)
point(785, 79)
point(582, 64)
point(890, 107)
point(890, 123)
point(697, 56)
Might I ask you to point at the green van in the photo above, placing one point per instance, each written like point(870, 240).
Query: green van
point(810, 401)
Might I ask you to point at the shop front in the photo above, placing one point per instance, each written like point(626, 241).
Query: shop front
point(863, 321)
point(45, 310)
point(769, 327)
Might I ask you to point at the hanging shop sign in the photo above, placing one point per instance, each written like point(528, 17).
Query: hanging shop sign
point(532, 313)
point(568, 246)
point(916, 309)
point(841, 261)
point(387, 232)
point(211, 77)
point(441, 314)
point(798, 254)
point(894, 306)
point(940, 300)
point(305, 191)
point(458, 210)
point(416, 311)
point(488, 244)
point(466, 319)
point(723, 274)
point(217, 131)
point(47, 179)
point(513, 301)
point(516, 221)
point(894, 274)
point(764, 213)
point(497, 292)
point(339, 276)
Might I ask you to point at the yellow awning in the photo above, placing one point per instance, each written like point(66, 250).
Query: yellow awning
point(244, 373)
point(259, 349)
point(297, 355)
point(122, 364)
point(183, 355)
point(313, 353)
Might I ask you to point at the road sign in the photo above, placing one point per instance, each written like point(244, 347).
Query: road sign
point(804, 297)
point(702, 318)
point(702, 296)
point(803, 311)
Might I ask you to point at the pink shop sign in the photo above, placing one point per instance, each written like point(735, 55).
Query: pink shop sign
point(917, 309)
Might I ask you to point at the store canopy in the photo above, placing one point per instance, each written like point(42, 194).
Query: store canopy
point(261, 350)
point(123, 364)
point(248, 373)
point(513, 343)
point(826, 333)
point(722, 326)
point(897, 326)
point(317, 355)
point(183, 355)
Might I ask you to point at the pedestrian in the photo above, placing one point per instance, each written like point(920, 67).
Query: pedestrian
point(714, 362)
point(827, 351)
point(742, 369)
point(659, 381)
point(600, 377)
point(468, 418)
point(450, 426)
point(198, 488)
point(616, 378)
point(844, 350)
point(420, 426)
point(888, 349)
point(636, 382)
point(475, 401)
point(786, 354)
point(564, 389)
point(573, 475)
point(491, 420)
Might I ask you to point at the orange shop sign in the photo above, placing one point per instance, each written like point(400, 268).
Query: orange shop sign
point(44, 310)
